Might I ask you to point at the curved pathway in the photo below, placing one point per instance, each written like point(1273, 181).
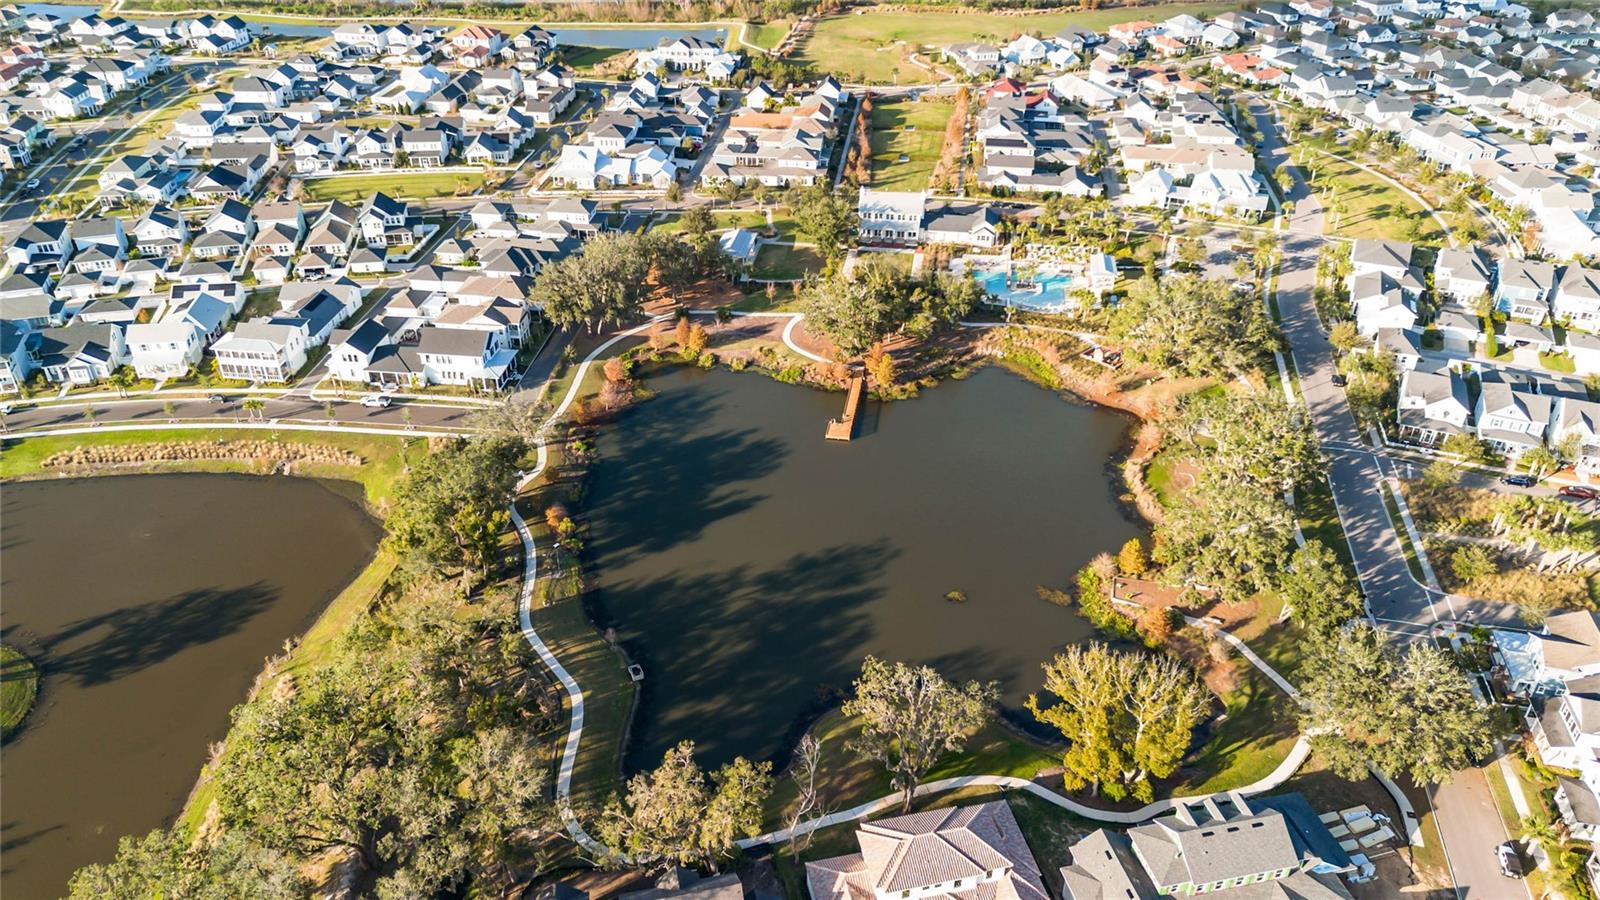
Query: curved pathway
point(569, 754)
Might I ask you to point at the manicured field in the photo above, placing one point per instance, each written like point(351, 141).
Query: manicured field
point(356, 188)
point(861, 47)
point(911, 129)
point(1372, 206)
point(589, 57)
point(785, 262)
point(769, 35)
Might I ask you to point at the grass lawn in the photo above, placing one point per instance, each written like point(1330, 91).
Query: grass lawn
point(862, 46)
point(753, 219)
point(1405, 536)
point(386, 457)
point(607, 698)
point(1319, 520)
point(1374, 207)
point(849, 778)
point(1557, 362)
point(584, 58)
point(19, 686)
point(768, 35)
point(1247, 744)
point(912, 129)
point(785, 262)
point(354, 189)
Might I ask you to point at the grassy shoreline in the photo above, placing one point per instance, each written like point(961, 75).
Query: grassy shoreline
point(21, 460)
point(19, 689)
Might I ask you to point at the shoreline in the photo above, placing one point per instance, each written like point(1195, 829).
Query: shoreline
point(346, 600)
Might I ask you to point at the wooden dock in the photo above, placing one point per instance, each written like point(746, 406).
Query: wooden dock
point(844, 428)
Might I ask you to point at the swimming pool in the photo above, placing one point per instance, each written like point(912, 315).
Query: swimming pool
point(1045, 291)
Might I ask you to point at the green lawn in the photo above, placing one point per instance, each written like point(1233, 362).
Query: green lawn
point(1374, 207)
point(753, 219)
point(911, 129)
point(19, 686)
point(354, 189)
point(585, 58)
point(1558, 362)
point(850, 778)
point(785, 262)
point(768, 35)
point(1409, 548)
point(384, 458)
point(862, 46)
point(607, 698)
point(1248, 744)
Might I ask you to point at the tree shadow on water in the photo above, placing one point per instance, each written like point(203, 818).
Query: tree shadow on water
point(661, 481)
point(735, 658)
point(11, 840)
point(117, 643)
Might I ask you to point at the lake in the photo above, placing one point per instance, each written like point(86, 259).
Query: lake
point(748, 565)
point(150, 603)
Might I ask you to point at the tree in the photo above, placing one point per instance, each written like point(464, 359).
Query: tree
point(696, 342)
point(880, 365)
point(1319, 591)
point(1228, 534)
point(254, 406)
point(1344, 337)
point(735, 808)
point(1472, 450)
point(881, 299)
point(1407, 711)
point(911, 716)
point(1131, 559)
point(412, 749)
point(165, 864)
point(1540, 462)
point(671, 814)
point(603, 284)
point(804, 771)
point(1189, 326)
point(1127, 717)
point(449, 511)
point(1255, 438)
point(697, 222)
point(1470, 563)
point(825, 218)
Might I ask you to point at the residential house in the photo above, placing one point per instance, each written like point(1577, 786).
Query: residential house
point(965, 853)
point(1432, 407)
point(891, 217)
point(165, 349)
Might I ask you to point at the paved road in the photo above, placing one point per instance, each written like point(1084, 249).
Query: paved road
point(1392, 593)
point(1472, 828)
point(151, 412)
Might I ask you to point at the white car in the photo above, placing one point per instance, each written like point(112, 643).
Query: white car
point(376, 401)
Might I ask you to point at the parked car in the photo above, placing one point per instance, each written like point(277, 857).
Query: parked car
point(1243, 287)
point(32, 185)
point(1339, 380)
point(1510, 859)
point(376, 401)
point(1579, 492)
point(217, 398)
point(1518, 480)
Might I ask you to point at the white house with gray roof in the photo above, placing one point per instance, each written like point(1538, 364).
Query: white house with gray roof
point(1266, 847)
point(965, 853)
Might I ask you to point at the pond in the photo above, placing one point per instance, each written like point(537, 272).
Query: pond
point(748, 565)
point(150, 603)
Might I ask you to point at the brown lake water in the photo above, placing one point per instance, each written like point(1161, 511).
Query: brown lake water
point(749, 565)
point(150, 603)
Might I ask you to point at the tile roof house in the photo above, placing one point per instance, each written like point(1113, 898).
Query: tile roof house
point(970, 853)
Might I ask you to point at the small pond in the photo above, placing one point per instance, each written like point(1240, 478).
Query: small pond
point(150, 603)
point(749, 565)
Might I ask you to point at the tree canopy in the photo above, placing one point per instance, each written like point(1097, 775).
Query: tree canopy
point(1127, 717)
point(880, 299)
point(678, 815)
point(911, 716)
point(1407, 709)
point(1186, 325)
point(604, 284)
point(451, 511)
point(825, 217)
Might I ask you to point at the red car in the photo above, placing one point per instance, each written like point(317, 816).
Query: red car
point(1578, 492)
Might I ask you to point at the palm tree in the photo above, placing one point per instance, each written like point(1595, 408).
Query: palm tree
point(255, 406)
